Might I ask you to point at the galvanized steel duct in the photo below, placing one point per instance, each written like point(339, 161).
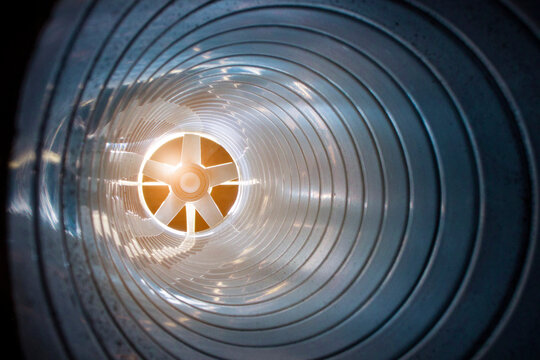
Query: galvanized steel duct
point(388, 180)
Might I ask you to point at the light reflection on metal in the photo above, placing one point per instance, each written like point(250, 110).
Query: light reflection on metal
point(366, 186)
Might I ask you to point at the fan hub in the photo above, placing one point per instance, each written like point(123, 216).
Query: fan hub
point(190, 182)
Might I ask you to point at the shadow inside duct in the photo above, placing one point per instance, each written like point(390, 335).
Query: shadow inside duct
point(21, 26)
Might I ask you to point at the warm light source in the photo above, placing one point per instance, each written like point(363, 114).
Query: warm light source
point(194, 189)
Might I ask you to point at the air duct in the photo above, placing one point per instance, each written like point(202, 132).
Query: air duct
point(384, 160)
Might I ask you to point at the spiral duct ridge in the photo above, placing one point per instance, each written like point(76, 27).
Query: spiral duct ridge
point(386, 157)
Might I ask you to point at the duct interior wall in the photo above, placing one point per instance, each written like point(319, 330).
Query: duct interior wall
point(387, 157)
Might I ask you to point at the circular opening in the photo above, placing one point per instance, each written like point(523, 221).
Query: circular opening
point(189, 183)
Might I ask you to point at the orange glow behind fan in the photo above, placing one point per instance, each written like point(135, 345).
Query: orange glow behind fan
point(170, 153)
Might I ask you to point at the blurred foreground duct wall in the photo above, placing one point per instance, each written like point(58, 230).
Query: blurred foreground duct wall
point(387, 157)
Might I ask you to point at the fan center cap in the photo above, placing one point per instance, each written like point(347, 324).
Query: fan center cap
point(190, 182)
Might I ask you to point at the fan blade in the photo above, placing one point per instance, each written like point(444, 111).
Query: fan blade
point(221, 173)
point(157, 170)
point(191, 149)
point(169, 208)
point(208, 210)
point(190, 218)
